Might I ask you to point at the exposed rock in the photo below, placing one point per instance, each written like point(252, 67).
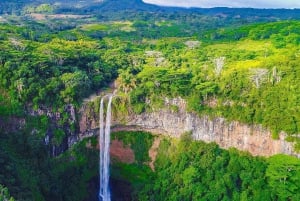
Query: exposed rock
point(253, 138)
point(121, 153)
point(42, 110)
point(153, 152)
point(71, 109)
point(179, 102)
point(153, 53)
point(57, 121)
point(118, 151)
point(88, 120)
point(72, 139)
point(191, 44)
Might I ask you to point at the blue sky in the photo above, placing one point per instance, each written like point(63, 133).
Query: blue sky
point(229, 3)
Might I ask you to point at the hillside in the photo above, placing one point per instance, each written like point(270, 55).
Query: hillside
point(107, 7)
point(228, 77)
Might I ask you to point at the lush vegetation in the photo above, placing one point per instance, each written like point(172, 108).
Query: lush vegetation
point(30, 174)
point(223, 62)
point(188, 170)
point(248, 74)
point(54, 70)
point(183, 169)
point(137, 173)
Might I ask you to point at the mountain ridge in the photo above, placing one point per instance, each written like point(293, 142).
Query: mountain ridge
point(108, 6)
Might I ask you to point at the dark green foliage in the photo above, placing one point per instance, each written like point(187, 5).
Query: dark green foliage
point(9, 105)
point(183, 170)
point(137, 100)
point(30, 174)
point(70, 173)
point(197, 171)
point(138, 173)
point(59, 135)
point(139, 176)
point(22, 158)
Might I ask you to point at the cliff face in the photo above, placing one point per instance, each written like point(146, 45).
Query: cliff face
point(252, 138)
point(56, 122)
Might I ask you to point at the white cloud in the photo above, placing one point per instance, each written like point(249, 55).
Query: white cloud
point(229, 3)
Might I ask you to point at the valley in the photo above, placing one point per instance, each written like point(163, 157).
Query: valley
point(205, 105)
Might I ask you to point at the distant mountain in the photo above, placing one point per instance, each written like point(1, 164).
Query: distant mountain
point(138, 5)
point(109, 8)
point(125, 5)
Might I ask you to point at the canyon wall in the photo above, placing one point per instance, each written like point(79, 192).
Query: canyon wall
point(255, 139)
point(57, 121)
point(252, 138)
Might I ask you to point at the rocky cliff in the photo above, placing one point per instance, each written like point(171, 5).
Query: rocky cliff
point(63, 121)
point(252, 138)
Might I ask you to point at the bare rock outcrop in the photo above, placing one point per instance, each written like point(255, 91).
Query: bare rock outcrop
point(252, 138)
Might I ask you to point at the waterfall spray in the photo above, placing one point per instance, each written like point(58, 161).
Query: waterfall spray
point(104, 143)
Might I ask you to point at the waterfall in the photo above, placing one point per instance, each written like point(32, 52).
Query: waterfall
point(104, 143)
point(101, 145)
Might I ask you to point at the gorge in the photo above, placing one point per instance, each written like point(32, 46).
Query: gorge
point(206, 108)
point(175, 124)
point(252, 138)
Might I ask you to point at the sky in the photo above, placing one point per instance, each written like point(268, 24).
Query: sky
point(229, 3)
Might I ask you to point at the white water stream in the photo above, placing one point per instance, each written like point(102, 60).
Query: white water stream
point(104, 143)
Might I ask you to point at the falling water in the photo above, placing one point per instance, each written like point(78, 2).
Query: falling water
point(101, 144)
point(104, 142)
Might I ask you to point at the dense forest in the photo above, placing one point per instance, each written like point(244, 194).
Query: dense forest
point(184, 170)
point(62, 68)
point(188, 170)
point(241, 64)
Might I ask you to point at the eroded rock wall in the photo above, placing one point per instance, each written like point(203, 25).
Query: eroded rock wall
point(255, 139)
point(252, 138)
